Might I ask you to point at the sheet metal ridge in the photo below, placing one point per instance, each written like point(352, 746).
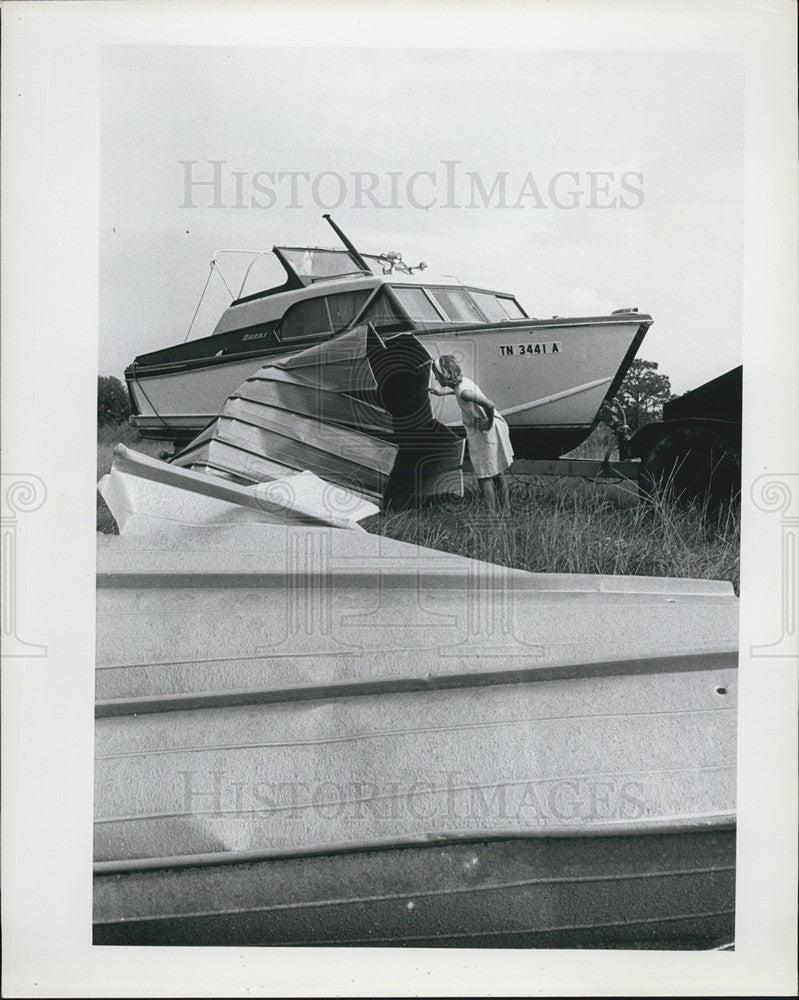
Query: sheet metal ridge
point(650, 662)
point(136, 463)
point(159, 561)
point(643, 827)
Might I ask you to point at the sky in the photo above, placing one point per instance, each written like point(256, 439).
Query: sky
point(622, 174)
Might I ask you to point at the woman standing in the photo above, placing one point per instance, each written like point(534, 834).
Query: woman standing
point(490, 449)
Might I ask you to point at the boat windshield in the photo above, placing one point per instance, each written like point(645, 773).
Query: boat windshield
point(314, 264)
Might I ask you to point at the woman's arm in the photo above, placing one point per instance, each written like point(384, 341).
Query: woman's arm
point(441, 392)
point(484, 403)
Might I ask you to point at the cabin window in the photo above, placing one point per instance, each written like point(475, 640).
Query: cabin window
point(497, 308)
point(417, 305)
point(345, 307)
point(455, 305)
point(305, 319)
point(382, 312)
point(323, 316)
point(512, 307)
point(490, 306)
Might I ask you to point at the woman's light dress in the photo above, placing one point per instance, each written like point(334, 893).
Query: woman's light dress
point(490, 452)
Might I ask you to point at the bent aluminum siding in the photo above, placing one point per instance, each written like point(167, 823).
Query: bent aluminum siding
point(297, 415)
point(300, 414)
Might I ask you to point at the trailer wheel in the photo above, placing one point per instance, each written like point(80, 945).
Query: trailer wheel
point(693, 466)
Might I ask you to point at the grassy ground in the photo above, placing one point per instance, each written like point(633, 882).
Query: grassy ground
point(553, 526)
point(570, 526)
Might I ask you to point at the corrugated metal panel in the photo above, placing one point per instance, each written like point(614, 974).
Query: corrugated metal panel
point(302, 730)
point(289, 392)
point(338, 365)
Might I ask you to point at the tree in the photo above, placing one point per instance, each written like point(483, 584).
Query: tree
point(643, 393)
point(113, 405)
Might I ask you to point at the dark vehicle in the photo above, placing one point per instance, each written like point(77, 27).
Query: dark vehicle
point(696, 449)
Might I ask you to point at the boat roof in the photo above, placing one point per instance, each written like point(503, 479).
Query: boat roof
point(310, 268)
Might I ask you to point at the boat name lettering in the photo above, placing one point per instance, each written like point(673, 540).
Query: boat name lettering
point(255, 336)
point(551, 347)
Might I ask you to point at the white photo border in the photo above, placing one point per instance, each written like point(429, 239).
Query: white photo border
point(50, 232)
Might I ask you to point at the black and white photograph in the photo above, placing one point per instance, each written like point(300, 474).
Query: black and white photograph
point(420, 380)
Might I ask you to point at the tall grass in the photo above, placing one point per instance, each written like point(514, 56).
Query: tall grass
point(553, 526)
point(570, 526)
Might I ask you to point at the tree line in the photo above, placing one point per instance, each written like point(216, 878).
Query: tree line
point(643, 393)
point(113, 404)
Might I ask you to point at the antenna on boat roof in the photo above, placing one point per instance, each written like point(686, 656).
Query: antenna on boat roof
point(348, 244)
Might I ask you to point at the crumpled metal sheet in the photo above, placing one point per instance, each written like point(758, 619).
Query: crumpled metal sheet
point(146, 495)
point(289, 390)
point(339, 365)
point(297, 414)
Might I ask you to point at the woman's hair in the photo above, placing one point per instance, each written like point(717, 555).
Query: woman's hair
point(450, 368)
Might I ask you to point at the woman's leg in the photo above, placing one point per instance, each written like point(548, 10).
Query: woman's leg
point(502, 490)
point(487, 494)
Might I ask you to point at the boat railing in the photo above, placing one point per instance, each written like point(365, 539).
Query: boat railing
point(255, 254)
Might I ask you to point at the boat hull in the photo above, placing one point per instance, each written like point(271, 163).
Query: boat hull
point(548, 378)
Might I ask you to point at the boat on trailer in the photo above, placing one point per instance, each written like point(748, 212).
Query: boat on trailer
point(549, 377)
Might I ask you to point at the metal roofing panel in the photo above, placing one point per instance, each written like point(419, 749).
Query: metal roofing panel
point(279, 653)
point(578, 755)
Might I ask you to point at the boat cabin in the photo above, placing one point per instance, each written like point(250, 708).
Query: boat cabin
point(323, 292)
